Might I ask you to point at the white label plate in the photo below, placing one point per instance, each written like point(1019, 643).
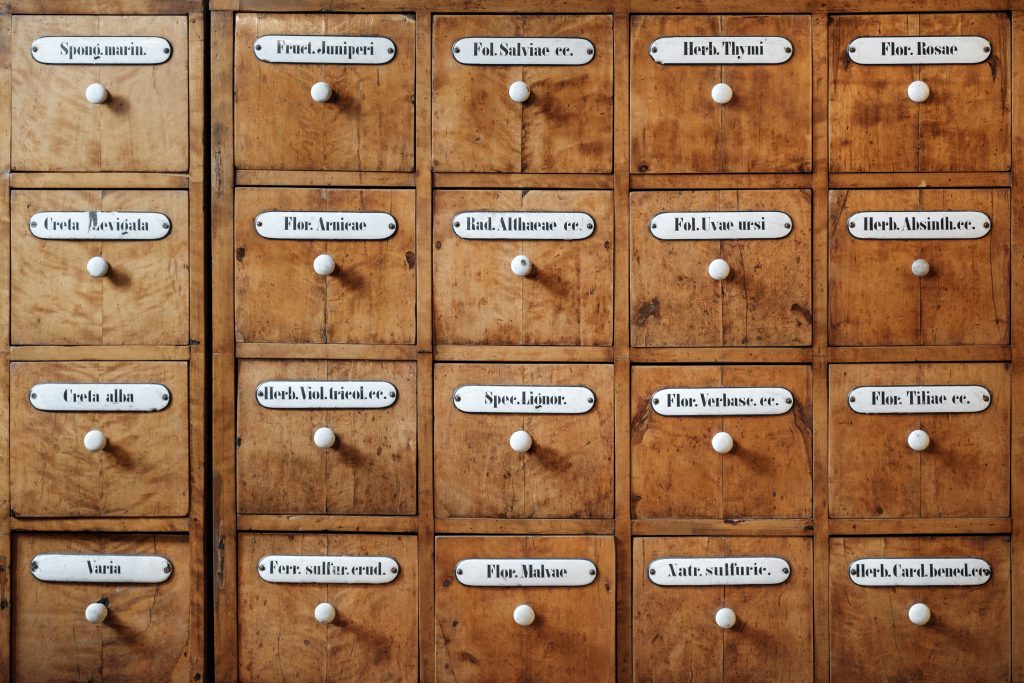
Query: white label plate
point(278, 49)
point(518, 399)
point(527, 572)
point(101, 568)
point(718, 571)
point(721, 50)
point(919, 225)
point(510, 51)
point(522, 225)
point(722, 225)
point(919, 399)
point(919, 50)
point(59, 397)
point(703, 401)
point(325, 225)
point(101, 50)
point(920, 571)
point(327, 569)
point(99, 225)
point(326, 395)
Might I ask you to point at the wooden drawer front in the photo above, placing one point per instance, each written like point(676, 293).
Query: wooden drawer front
point(145, 636)
point(373, 636)
point(564, 127)
point(765, 300)
point(572, 637)
point(963, 125)
point(675, 635)
point(766, 473)
point(143, 124)
point(366, 125)
point(875, 298)
point(369, 298)
point(676, 126)
point(566, 473)
point(872, 638)
point(963, 472)
point(142, 299)
point(370, 468)
point(565, 299)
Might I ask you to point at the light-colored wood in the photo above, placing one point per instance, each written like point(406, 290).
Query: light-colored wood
point(345, 523)
point(880, 527)
point(127, 7)
point(868, 181)
point(324, 178)
point(326, 351)
point(725, 527)
point(565, 181)
point(566, 299)
point(143, 126)
point(155, 525)
point(99, 181)
point(705, 355)
point(716, 181)
point(551, 527)
point(27, 353)
point(524, 354)
point(914, 354)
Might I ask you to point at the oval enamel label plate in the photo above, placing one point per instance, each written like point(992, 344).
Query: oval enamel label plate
point(913, 400)
point(511, 51)
point(919, 225)
point(537, 400)
point(325, 395)
point(327, 569)
point(101, 568)
point(722, 225)
point(920, 571)
point(721, 50)
point(875, 50)
point(99, 225)
point(718, 571)
point(325, 225)
point(522, 225)
point(278, 49)
point(692, 402)
point(101, 50)
point(99, 398)
point(525, 572)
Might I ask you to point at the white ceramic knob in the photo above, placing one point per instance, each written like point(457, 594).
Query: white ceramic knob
point(920, 267)
point(324, 437)
point(524, 615)
point(919, 614)
point(325, 613)
point(97, 266)
point(96, 94)
point(323, 265)
point(918, 91)
point(725, 618)
point(721, 93)
point(722, 442)
point(321, 92)
point(918, 440)
point(519, 91)
point(95, 440)
point(521, 266)
point(520, 441)
point(719, 269)
point(96, 613)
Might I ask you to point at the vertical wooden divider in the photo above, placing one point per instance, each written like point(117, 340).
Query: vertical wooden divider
point(1016, 349)
point(5, 288)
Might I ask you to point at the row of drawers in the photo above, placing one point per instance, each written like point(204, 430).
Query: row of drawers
point(523, 113)
point(707, 268)
point(519, 441)
point(704, 606)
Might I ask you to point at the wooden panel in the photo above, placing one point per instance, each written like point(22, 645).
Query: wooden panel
point(768, 471)
point(675, 637)
point(568, 471)
point(675, 126)
point(279, 126)
point(373, 637)
point(371, 469)
point(572, 638)
point(566, 299)
point(143, 126)
point(766, 299)
point(142, 471)
point(564, 127)
point(964, 125)
point(963, 473)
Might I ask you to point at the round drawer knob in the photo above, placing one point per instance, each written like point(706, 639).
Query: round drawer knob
point(920, 267)
point(919, 614)
point(521, 266)
point(919, 440)
point(97, 266)
point(719, 269)
point(96, 94)
point(325, 613)
point(95, 440)
point(722, 442)
point(918, 91)
point(520, 441)
point(323, 265)
point(321, 92)
point(721, 93)
point(519, 91)
point(524, 615)
point(725, 618)
point(324, 437)
point(97, 612)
